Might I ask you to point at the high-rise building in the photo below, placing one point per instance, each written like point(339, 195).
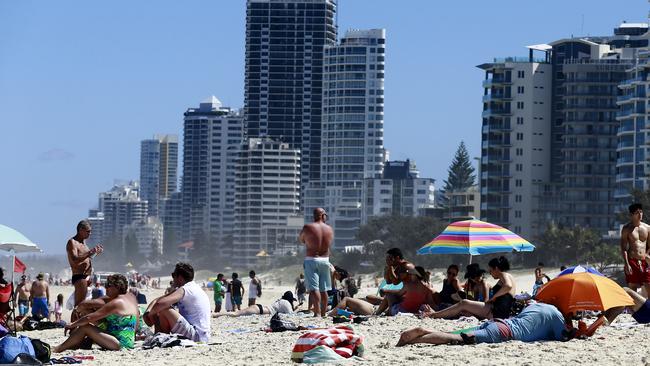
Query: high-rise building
point(283, 95)
point(120, 206)
point(170, 212)
point(267, 193)
point(352, 138)
point(515, 140)
point(399, 191)
point(213, 135)
point(158, 169)
point(148, 233)
point(571, 179)
point(633, 146)
point(96, 220)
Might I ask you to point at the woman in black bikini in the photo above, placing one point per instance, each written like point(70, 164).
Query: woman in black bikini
point(498, 306)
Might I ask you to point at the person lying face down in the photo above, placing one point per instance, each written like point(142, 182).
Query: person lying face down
point(284, 305)
point(537, 322)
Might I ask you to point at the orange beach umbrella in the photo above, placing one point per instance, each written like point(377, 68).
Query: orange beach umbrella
point(583, 291)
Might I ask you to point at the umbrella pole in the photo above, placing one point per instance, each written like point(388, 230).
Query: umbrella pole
point(470, 259)
point(13, 291)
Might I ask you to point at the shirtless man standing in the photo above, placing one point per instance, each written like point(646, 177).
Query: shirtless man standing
point(317, 236)
point(634, 249)
point(40, 298)
point(79, 258)
point(23, 295)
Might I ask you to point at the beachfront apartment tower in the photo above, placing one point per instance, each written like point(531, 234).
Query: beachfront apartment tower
point(212, 137)
point(283, 89)
point(121, 206)
point(158, 169)
point(267, 192)
point(398, 191)
point(353, 130)
point(148, 234)
point(515, 140)
point(633, 148)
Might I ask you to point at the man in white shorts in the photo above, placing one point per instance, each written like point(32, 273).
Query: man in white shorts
point(192, 320)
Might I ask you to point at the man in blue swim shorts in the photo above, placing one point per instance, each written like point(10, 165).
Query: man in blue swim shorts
point(40, 296)
point(317, 237)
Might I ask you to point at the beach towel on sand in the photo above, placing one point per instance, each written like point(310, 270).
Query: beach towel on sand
point(341, 340)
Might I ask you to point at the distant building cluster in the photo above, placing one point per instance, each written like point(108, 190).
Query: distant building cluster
point(310, 135)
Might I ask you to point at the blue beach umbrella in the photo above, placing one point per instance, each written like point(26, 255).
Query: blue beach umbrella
point(580, 269)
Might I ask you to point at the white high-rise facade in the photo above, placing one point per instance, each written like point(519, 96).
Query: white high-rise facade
point(120, 206)
point(213, 135)
point(353, 127)
point(515, 159)
point(267, 194)
point(148, 233)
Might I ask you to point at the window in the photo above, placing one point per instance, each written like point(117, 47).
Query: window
point(518, 183)
point(520, 74)
point(520, 90)
point(519, 151)
point(520, 136)
point(520, 105)
point(520, 120)
point(517, 198)
point(517, 214)
point(519, 167)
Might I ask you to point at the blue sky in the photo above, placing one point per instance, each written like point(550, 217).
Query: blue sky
point(81, 83)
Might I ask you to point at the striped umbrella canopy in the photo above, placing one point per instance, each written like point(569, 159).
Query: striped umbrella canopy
point(580, 269)
point(476, 237)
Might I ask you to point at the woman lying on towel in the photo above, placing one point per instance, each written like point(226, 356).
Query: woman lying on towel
point(112, 326)
point(282, 306)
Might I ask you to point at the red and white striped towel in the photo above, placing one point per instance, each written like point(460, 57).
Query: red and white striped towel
point(340, 339)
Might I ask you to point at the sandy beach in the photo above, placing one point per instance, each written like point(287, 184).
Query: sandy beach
point(241, 341)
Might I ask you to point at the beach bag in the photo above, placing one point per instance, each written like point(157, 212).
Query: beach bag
point(281, 325)
point(42, 350)
point(341, 340)
point(10, 347)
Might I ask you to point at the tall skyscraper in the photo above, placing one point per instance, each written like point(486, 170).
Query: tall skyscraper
point(158, 169)
point(515, 139)
point(212, 138)
point(283, 92)
point(353, 125)
point(267, 194)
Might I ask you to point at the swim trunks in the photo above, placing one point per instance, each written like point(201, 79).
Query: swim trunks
point(640, 273)
point(77, 277)
point(317, 274)
point(643, 314)
point(39, 308)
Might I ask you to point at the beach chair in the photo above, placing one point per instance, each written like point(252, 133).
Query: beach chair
point(6, 305)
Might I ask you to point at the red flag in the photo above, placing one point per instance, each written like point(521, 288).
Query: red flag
point(19, 267)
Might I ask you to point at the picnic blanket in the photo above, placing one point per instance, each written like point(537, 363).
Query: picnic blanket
point(342, 340)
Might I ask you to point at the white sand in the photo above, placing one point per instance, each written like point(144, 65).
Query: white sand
point(612, 346)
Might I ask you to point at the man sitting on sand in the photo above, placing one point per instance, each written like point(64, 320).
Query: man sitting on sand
point(537, 322)
point(640, 310)
point(115, 321)
point(281, 306)
point(192, 320)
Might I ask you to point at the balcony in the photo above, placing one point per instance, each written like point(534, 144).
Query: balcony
point(488, 83)
point(623, 161)
point(496, 111)
point(496, 97)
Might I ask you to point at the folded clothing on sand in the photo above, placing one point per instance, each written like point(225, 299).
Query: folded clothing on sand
point(164, 340)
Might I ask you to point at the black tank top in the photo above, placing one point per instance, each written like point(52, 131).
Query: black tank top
point(502, 305)
point(446, 292)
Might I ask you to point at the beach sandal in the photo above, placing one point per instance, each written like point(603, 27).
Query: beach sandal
point(25, 359)
point(340, 319)
point(64, 361)
point(359, 319)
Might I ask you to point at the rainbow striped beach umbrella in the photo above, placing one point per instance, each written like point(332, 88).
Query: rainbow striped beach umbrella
point(476, 237)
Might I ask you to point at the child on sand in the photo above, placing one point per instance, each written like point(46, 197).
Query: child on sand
point(58, 308)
